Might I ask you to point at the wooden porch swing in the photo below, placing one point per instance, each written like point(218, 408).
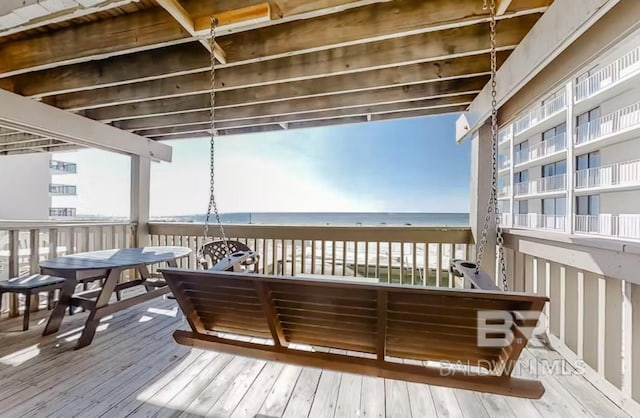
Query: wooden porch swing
point(421, 334)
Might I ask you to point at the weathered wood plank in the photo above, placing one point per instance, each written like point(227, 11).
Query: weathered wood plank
point(230, 95)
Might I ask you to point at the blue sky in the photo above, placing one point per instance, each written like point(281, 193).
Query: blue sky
point(410, 165)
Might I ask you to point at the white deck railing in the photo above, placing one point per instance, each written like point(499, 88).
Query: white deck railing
point(609, 124)
point(505, 134)
point(618, 226)
point(622, 68)
point(24, 244)
point(540, 221)
point(619, 174)
point(542, 149)
point(540, 113)
point(542, 185)
point(504, 163)
point(590, 319)
point(393, 254)
point(504, 191)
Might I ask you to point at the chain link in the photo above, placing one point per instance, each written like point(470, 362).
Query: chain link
point(213, 206)
point(492, 205)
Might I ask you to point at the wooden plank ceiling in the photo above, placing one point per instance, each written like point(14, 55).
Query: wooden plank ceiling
point(283, 64)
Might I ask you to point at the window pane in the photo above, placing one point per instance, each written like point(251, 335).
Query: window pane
point(594, 159)
point(547, 170)
point(561, 129)
point(582, 162)
point(594, 205)
point(582, 205)
point(561, 167)
point(561, 206)
point(549, 134)
point(548, 207)
point(594, 113)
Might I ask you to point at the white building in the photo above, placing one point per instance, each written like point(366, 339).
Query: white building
point(571, 162)
point(35, 187)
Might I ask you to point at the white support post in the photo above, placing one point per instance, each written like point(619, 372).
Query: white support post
point(140, 196)
point(512, 191)
point(481, 165)
point(571, 171)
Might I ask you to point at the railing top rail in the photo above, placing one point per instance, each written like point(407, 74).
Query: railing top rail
point(13, 225)
point(613, 165)
point(381, 233)
point(608, 68)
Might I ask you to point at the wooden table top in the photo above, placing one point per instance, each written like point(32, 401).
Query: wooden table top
point(108, 259)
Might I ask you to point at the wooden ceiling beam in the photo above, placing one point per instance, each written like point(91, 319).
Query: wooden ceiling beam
point(434, 104)
point(97, 40)
point(201, 102)
point(199, 83)
point(175, 9)
point(312, 124)
point(20, 56)
point(124, 34)
point(392, 20)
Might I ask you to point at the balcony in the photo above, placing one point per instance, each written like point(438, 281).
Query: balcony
point(504, 192)
point(541, 152)
point(540, 221)
point(62, 212)
point(542, 116)
point(62, 190)
point(614, 127)
point(504, 164)
point(542, 186)
point(613, 226)
point(619, 176)
point(609, 79)
point(505, 134)
point(172, 379)
point(61, 167)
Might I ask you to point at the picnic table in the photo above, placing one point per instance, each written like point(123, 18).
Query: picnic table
point(107, 265)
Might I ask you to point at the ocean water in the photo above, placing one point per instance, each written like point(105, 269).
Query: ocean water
point(334, 218)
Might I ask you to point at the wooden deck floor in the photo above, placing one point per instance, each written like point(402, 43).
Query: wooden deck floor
point(134, 368)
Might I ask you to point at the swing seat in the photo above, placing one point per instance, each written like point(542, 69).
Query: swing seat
point(425, 335)
point(213, 256)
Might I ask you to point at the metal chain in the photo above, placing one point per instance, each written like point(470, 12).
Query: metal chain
point(492, 205)
point(213, 206)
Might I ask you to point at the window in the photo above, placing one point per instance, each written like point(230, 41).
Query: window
point(555, 206)
point(521, 151)
point(588, 205)
point(554, 169)
point(589, 116)
point(521, 207)
point(553, 132)
point(586, 161)
point(521, 176)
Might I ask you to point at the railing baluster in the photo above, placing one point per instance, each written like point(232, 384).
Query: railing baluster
point(274, 261)
point(414, 258)
point(344, 258)
point(284, 256)
point(313, 256)
point(14, 267)
point(389, 265)
point(53, 243)
point(293, 257)
point(303, 256)
point(378, 259)
point(366, 258)
point(402, 263)
point(355, 259)
point(439, 265)
point(426, 270)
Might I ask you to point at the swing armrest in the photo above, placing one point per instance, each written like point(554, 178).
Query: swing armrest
point(233, 262)
point(467, 269)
